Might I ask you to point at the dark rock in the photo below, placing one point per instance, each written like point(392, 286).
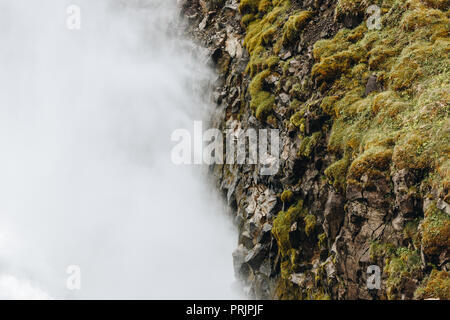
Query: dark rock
point(265, 234)
point(333, 214)
point(256, 256)
point(372, 85)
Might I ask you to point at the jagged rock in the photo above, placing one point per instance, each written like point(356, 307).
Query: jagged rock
point(265, 234)
point(373, 208)
point(333, 214)
point(256, 256)
point(284, 98)
point(404, 201)
point(266, 268)
point(233, 46)
point(239, 255)
point(330, 268)
point(354, 192)
point(299, 279)
point(246, 239)
point(272, 80)
point(286, 55)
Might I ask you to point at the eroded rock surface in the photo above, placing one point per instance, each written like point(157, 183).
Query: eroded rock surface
point(303, 233)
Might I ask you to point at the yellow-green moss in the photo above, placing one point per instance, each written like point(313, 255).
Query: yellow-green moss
point(404, 264)
point(380, 250)
point(438, 4)
point(310, 223)
point(286, 196)
point(407, 124)
point(294, 24)
point(262, 102)
point(262, 31)
point(371, 163)
point(249, 6)
point(281, 227)
point(322, 238)
point(330, 68)
point(410, 232)
point(308, 144)
point(297, 119)
point(337, 173)
point(353, 7)
point(435, 286)
point(266, 23)
point(435, 231)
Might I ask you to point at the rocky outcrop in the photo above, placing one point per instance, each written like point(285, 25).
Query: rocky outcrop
point(311, 230)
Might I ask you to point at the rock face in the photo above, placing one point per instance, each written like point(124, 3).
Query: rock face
point(311, 230)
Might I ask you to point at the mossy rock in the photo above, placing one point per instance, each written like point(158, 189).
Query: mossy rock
point(435, 286)
point(294, 25)
point(435, 231)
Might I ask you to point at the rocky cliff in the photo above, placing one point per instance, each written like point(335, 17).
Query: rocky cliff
point(362, 105)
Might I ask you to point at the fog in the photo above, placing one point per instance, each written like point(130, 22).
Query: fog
point(85, 172)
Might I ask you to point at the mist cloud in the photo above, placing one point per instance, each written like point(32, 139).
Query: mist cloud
point(85, 173)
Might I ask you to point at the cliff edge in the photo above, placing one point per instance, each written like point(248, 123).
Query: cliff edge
point(360, 93)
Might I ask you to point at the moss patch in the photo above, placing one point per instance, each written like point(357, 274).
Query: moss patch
point(405, 126)
point(435, 286)
point(435, 231)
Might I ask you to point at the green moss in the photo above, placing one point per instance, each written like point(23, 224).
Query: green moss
point(438, 4)
point(286, 196)
point(286, 290)
point(262, 32)
point(297, 119)
point(411, 232)
point(281, 228)
point(247, 18)
point(435, 286)
point(322, 238)
point(294, 25)
point(282, 225)
point(406, 125)
point(308, 144)
point(320, 295)
point(310, 223)
point(400, 264)
point(327, 105)
point(264, 21)
point(337, 173)
point(371, 163)
point(330, 68)
point(404, 264)
point(346, 7)
point(380, 250)
point(262, 102)
point(249, 6)
point(435, 231)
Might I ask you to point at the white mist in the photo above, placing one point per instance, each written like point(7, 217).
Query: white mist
point(85, 172)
